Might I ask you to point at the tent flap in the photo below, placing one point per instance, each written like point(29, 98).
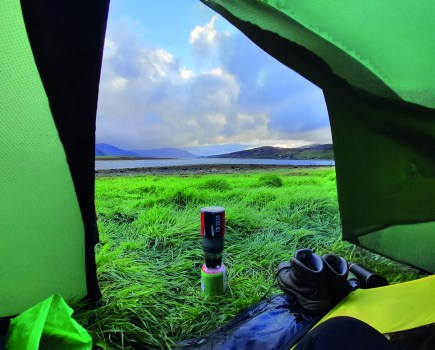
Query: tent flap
point(374, 62)
point(42, 233)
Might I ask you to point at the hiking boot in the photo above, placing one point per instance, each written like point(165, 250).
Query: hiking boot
point(304, 277)
point(336, 270)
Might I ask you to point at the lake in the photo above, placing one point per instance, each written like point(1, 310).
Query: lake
point(145, 163)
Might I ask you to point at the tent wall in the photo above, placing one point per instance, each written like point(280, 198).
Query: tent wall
point(50, 58)
point(374, 62)
point(67, 40)
point(385, 176)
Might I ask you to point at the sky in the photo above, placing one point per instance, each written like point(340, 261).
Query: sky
point(176, 74)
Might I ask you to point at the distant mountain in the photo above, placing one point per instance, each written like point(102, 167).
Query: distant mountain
point(268, 152)
point(164, 153)
point(104, 149)
point(207, 150)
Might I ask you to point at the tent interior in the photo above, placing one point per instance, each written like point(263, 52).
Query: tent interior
point(373, 60)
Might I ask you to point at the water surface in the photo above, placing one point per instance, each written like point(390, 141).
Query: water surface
point(145, 163)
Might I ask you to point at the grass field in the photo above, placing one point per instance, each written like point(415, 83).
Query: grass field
point(150, 253)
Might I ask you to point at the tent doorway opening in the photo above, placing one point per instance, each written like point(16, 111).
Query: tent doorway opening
point(212, 93)
point(200, 86)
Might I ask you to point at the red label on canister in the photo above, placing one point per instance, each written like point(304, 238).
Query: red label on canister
point(213, 222)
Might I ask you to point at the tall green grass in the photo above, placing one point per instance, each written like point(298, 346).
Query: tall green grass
point(150, 253)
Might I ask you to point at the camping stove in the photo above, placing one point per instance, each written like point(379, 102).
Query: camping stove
point(213, 272)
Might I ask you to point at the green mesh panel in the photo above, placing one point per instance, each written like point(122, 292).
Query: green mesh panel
point(385, 177)
point(375, 62)
point(41, 230)
point(406, 243)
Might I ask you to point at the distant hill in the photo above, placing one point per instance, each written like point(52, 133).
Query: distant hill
point(164, 153)
point(104, 149)
point(268, 152)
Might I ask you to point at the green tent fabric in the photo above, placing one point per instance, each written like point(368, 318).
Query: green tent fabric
point(374, 62)
point(48, 325)
point(42, 233)
point(47, 118)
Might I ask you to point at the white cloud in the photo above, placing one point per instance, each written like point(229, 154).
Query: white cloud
point(119, 83)
point(219, 72)
point(207, 43)
point(206, 33)
point(157, 63)
point(219, 89)
point(110, 48)
point(235, 95)
point(186, 73)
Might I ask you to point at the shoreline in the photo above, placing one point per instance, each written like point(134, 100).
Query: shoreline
point(128, 158)
point(199, 169)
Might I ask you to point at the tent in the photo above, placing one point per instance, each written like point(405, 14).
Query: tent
point(373, 60)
